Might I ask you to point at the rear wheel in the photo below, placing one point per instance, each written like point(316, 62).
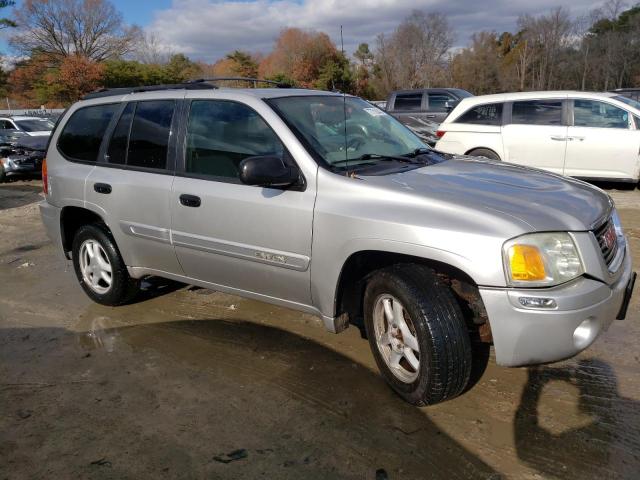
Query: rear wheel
point(100, 268)
point(484, 152)
point(417, 334)
point(3, 175)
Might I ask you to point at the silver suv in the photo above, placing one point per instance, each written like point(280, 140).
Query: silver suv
point(326, 204)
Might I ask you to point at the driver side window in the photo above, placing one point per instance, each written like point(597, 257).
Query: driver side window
point(222, 133)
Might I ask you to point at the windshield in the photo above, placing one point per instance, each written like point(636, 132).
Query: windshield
point(462, 93)
point(629, 101)
point(35, 125)
point(320, 121)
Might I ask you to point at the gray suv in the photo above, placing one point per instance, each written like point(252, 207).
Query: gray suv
point(326, 204)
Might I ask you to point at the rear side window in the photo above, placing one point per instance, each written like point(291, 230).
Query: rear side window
point(220, 134)
point(537, 112)
point(490, 114)
point(81, 136)
point(149, 137)
point(408, 101)
point(590, 113)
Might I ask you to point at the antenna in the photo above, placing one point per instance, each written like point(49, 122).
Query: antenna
point(344, 109)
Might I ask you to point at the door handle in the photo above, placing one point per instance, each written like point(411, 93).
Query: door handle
point(560, 139)
point(190, 200)
point(431, 116)
point(576, 138)
point(104, 188)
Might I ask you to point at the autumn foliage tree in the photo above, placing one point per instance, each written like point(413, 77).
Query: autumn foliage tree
point(306, 57)
point(77, 76)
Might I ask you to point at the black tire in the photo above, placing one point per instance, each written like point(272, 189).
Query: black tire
point(439, 326)
point(123, 288)
point(3, 175)
point(484, 152)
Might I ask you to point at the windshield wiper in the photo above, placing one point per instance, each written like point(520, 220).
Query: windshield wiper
point(418, 151)
point(375, 156)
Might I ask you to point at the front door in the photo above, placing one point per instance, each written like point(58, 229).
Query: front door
point(241, 237)
point(603, 142)
point(536, 135)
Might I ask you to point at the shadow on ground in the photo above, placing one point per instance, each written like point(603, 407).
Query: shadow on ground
point(18, 194)
point(182, 398)
point(606, 444)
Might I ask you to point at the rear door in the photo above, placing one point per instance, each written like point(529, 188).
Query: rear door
point(245, 238)
point(603, 141)
point(131, 184)
point(535, 133)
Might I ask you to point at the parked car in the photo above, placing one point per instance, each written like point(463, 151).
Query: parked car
point(423, 110)
point(260, 193)
point(32, 126)
point(593, 136)
point(22, 158)
point(632, 93)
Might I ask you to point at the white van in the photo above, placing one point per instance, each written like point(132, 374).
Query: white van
point(593, 136)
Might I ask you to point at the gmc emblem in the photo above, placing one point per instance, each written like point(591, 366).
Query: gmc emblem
point(609, 237)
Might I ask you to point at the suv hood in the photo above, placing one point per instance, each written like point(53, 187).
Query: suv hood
point(543, 201)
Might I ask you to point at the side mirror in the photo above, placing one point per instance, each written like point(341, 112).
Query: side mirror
point(268, 171)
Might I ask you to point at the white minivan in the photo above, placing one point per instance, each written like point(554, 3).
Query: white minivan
point(593, 136)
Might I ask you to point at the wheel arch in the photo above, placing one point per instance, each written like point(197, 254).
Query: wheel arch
point(468, 152)
point(71, 219)
point(360, 265)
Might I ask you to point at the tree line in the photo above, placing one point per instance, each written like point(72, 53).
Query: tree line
point(72, 47)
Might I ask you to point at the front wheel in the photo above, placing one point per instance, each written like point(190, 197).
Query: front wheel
point(417, 334)
point(100, 268)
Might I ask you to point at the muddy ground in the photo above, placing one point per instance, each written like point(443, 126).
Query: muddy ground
point(190, 383)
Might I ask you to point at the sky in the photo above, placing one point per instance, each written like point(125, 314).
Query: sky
point(208, 29)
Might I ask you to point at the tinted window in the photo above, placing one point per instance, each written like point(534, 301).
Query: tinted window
point(117, 152)
point(628, 100)
point(6, 125)
point(82, 134)
point(149, 139)
point(410, 101)
point(220, 134)
point(537, 112)
point(490, 114)
point(438, 102)
point(589, 113)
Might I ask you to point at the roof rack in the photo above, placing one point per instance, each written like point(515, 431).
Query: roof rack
point(107, 92)
point(255, 81)
point(197, 84)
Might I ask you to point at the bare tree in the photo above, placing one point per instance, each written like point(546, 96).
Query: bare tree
point(150, 50)
point(60, 28)
point(548, 35)
point(416, 52)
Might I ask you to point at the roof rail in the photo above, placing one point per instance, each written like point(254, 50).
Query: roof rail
point(108, 92)
point(255, 81)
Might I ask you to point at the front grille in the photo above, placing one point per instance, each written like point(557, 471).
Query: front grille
point(607, 240)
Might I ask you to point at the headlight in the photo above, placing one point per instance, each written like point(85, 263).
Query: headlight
point(617, 224)
point(541, 259)
point(7, 163)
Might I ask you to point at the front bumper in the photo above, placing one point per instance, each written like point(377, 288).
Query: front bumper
point(585, 308)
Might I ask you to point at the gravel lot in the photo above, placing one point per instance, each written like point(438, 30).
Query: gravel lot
point(191, 383)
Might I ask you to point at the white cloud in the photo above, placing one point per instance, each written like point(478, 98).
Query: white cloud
point(207, 29)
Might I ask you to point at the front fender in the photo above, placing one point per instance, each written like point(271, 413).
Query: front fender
point(325, 274)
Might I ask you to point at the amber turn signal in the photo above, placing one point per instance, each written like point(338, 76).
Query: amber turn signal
point(526, 263)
